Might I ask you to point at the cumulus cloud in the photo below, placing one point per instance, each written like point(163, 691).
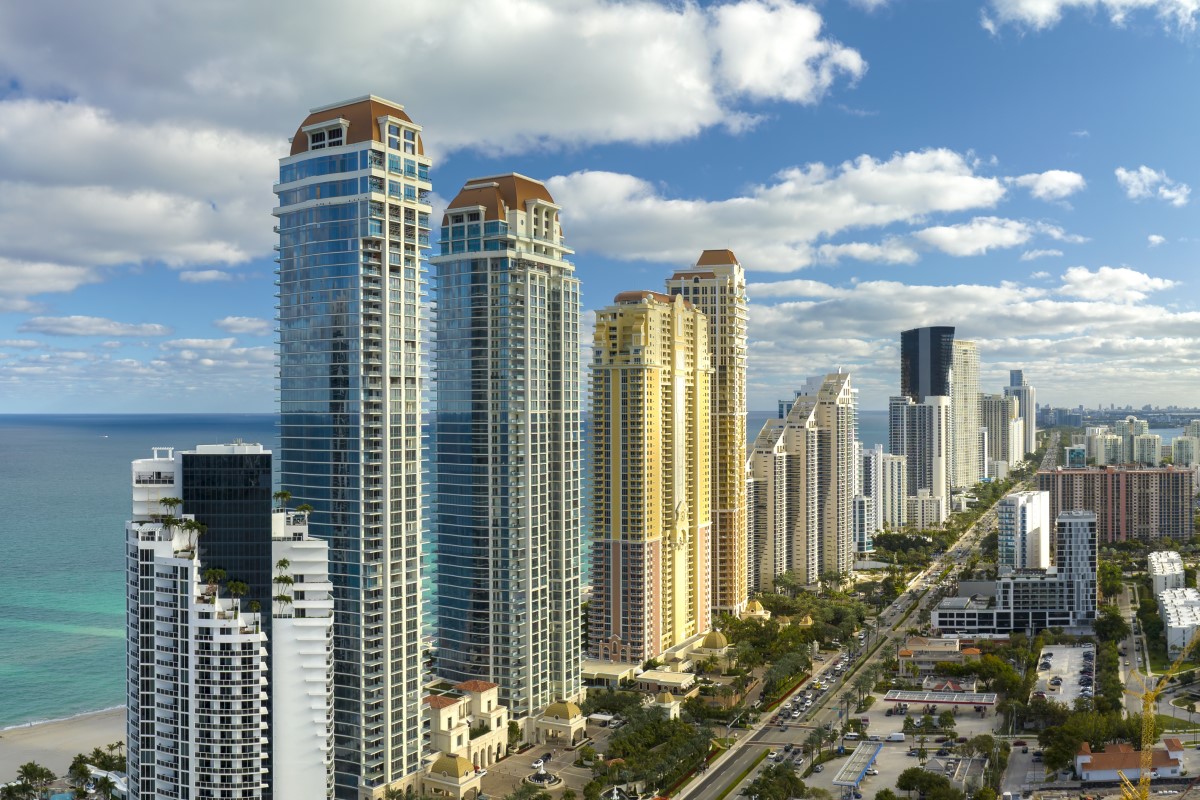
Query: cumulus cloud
point(1039, 275)
point(982, 234)
point(1078, 344)
point(1042, 14)
point(1117, 284)
point(244, 325)
point(204, 276)
point(1031, 255)
point(1054, 184)
point(773, 226)
point(707, 62)
point(1154, 240)
point(90, 326)
point(1145, 182)
point(890, 251)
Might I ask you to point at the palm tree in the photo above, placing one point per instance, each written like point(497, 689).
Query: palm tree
point(16, 791)
point(254, 607)
point(282, 564)
point(281, 497)
point(105, 787)
point(213, 576)
point(170, 504)
point(304, 508)
point(237, 589)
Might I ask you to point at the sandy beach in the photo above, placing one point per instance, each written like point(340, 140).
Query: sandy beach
point(54, 744)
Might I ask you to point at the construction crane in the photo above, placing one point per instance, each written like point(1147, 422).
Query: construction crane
point(1149, 697)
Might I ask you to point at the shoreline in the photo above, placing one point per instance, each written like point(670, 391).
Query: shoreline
point(53, 743)
point(35, 722)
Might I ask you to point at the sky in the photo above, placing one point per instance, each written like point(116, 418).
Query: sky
point(1019, 169)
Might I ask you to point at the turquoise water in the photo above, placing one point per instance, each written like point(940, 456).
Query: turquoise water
point(64, 499)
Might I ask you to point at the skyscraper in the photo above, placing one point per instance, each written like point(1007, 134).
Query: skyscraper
point(353, 222)
point(651, 516)
point(716, 286)
point(920, 431)
point(964, 403)
point(1027, 401)
point(803, 516)
point(1023, 523)
point(506, 445)
point(926, 359)
point(1001, 416)
point(209, 713)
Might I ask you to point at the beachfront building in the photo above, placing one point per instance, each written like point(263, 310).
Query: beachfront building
point(1000, 415)
point(1166, 571)
point(1026, 396)
point(1179, 609)
point(507, 536)
point(966, 467)
point(353, 220)
point(920, 431)
point(1185, 451)
point(1129, 429)
point(802, 520)
point(1147, 449)
point(716, 287)
point(198, 704)
point(651, 515)
point(1130, 501)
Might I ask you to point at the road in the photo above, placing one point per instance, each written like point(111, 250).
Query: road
point(888, 629)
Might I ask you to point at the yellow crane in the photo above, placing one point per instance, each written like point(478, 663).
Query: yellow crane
point(1149, 697)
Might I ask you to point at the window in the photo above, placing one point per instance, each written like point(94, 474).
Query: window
point(316, 140)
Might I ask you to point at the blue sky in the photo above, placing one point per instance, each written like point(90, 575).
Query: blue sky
point(1020, 169)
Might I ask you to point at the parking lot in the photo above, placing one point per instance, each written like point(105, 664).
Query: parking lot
point(1061, 680)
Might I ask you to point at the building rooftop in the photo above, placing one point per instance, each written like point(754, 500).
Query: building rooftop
point(499, 194)
point(1165, 562)
point(362, 113)
point(1123, 757)
point(476, 686)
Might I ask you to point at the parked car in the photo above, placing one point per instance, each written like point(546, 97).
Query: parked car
point(538, 764)
point(818, 768)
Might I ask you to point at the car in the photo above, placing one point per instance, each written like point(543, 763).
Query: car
point(481, 772)
point(961, 740)
point(872, 771)
point(943, 753)
point(787, 748)
point(1020, 743)
point(941, 739)
point(818, 768)
point(1024, 749)
point(888, 713)
point(547, 756)
point(1127, 662)
point(914, 752)
point(773, 755)
point(857, 795)
point(538, 764)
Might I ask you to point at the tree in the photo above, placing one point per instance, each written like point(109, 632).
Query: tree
point(34, 774)
point(514, 733)
point(947, 722)
point(214, 575)
point(984, 793)
point(1111, 625)
point(237, 589)
point(105, 787)
point(592, 789)
point(170, 504)
point(281, 498)
point(1109, 579)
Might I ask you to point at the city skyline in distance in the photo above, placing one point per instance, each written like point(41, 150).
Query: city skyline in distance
point(1038, 217)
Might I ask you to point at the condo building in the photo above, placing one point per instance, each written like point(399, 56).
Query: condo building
point(1024, 532)
point(1001, 416)
point(920, 431)
point(1129, 429)
point(506, 445)
point(353, 223)
point(1147, 449)
point(1031, 600)
point(802, 520)
point(1026, 397)
point(926, 361)
point(1130, 502)
point(209, 715)
point(1185, 451)
point(1166, 571)
point(716, 287)
point(966, 470)
point(651, 513)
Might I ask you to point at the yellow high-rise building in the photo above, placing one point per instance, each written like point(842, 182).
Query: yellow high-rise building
point(716, 286)
point(651, 516)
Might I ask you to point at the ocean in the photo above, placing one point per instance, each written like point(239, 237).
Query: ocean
point(64, 499)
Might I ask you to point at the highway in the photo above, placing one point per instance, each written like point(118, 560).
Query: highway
point(888, 629)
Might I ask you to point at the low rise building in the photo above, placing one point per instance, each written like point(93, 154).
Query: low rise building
point(467, 720)
point(1121, 759)
point(1180, 612)
point(920, 656)
point(1166, 571)
point(926, 510)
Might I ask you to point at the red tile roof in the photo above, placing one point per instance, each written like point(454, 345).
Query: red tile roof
point(441, 701)
point(1123, 757)
point(476, 686)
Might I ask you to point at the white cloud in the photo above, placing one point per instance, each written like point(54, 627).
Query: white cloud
point(1054, 184)
point(90, 326)
point(1030, 255)
point(21, 344)
point(977, 236)
point(1081, 134)
point(1039, 275)
point(1116, 284)
point(1041, 14)
point(775, 226)
point(1079, 345)
point(1154, 240)
point(200, 344)
point(204, 276)
point(774, 51)
point(1145, 182)
point(707, 62)
point(890, 251)
point(244, 325)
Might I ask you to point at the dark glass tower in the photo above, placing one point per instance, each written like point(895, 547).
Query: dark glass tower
point(926, 356)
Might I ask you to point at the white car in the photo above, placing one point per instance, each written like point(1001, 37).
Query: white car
point(538, 764)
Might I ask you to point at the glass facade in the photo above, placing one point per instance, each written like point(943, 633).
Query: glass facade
point(926, 356)
point(350, 378)
point(506, 443)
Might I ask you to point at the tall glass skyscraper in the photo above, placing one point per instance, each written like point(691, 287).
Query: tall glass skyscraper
point(506, 445)
point(353, 223)
point(926, 357)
